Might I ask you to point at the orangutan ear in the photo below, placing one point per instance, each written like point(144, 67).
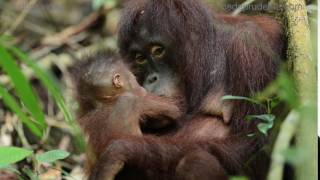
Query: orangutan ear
point(116, 80)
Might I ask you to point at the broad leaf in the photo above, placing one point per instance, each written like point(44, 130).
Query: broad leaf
point(11, 155)
point(99, 3)
point(52, 156)
point(264, 127)
point(263, 117)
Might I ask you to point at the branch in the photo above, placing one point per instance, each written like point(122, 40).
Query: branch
point(300, 56)
point(63, 36)
point(21, 17)
point(287, 131)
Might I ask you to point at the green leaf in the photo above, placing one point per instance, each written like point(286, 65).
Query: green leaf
point(13, 105)
point(267, 121)
point(284, 88)
point(229, 97)
point(30, 174)
point(274, 103)
point(22, 86)
point(11, 155)
point(238, 178)
point(96, 4)
point(52, 156)
point(48, 81)
point(53, 87)
point(264, 127)
point(267, 118)
point(287, 90)
point(6, 38)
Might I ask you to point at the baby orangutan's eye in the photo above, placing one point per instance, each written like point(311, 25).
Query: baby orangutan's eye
point(117, 81)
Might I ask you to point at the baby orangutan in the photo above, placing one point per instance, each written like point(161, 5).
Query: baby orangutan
point(113, 104)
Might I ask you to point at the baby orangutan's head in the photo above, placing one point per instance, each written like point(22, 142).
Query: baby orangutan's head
point(103, 77)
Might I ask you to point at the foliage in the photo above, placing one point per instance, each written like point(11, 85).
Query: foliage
point(11, 155)
point(238, 178)
point(52, 156)
point(266, 121)
point(96, 4)
point(280, 90)
point(20, 98)
point(24, 91)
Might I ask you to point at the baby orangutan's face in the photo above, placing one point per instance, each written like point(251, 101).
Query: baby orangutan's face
point(111, 80)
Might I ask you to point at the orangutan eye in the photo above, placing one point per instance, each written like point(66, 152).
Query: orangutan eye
point(157, 51)
point(140, 59)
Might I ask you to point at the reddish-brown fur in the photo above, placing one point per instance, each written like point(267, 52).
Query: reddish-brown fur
point(107, 111)
point(244, 52)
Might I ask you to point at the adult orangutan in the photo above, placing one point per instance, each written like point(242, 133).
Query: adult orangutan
point(180, 44)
